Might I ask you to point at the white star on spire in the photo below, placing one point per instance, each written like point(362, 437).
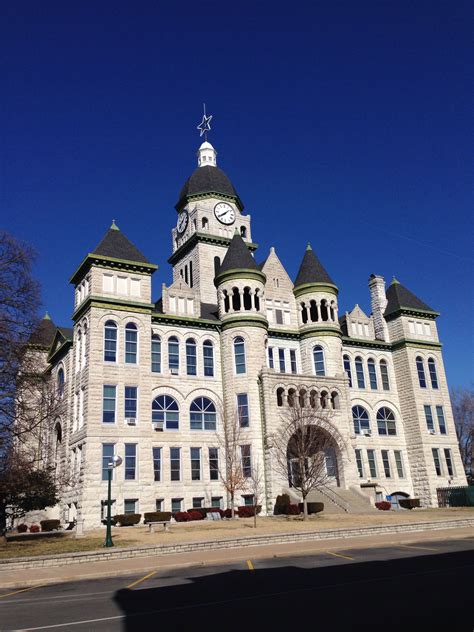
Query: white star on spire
point(205, 125)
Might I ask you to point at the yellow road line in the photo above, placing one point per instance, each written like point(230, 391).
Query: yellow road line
point(142, 579)
point(413, 546)
point(22, 590)
point(346, 557)
point(250, 565)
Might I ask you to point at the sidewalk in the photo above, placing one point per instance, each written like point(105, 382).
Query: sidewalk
point(140, 565)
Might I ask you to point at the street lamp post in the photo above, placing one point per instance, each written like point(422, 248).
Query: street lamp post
point(115, 462)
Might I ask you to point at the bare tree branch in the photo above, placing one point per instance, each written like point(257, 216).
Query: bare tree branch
point(462, 400)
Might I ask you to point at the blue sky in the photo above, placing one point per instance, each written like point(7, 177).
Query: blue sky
point(343, 123)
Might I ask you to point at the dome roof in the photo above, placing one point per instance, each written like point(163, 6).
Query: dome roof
point(207, 179)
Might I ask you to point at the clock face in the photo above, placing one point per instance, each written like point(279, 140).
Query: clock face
point(182, 221)
point(224, 213)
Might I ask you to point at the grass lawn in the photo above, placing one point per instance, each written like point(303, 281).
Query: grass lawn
point(226, 529)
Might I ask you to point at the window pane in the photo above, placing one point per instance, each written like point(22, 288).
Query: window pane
point(246, 460)
point(108, 450)
point(449, 461)
point(243, 409)
point(173, 354)
point(421, 372)
point(110, 341)
point(360, 465)
point(130, 461)
point(131, 344)
point(131, 402)
point(191, 362)
point(213, 464)
point(372, 375)
point(386, 464)
point(203, 414)
point(347, 369)
point(155, 354)
point(360, 373)
point(175, 463)
point(384, 374)
point(318, 357)
point(157, 463)
point(239, 355)
point(165, 409)
point(360, 418)
point(208, 356)
point(108, 407)
point(429, 418)
point(195, 464)
point(436, 460)
point(281, 360)
point(130, 506)
point(433, 374)
point(441, 420)
point(399, 464)
point(271, 364)
point(294, 368)
point(372, 463)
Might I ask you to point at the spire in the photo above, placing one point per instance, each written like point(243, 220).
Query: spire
point(46, 316)
point(311, 270)
point(114, 226)
point(238, 256)
point(399, 298)
point(116, 245)
point(44, 333)
point(207, 155)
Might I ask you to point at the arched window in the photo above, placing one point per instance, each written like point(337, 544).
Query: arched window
point(247, 299)
point(204, 223)
point(60, 383)
point(360, 418)
point(78, 349)
point(83, 350)
point(386, 421)
point(235, 299)
point(173, 354)
point(335, 403)
point(384, 375)
point(239, 355)
point(324, 310)
point(131, 343)
point(191, 360)
point(372, 374)
point(304, 313)
point(280, 396)
point(291, 397)
point(313, 399)
point(433, 374)
point(202, 414)
point(243, 232)
point(257, 300)
point(156, 353)
point(302, 398)
point(420, 367)
point(208, 358)
point(347, 368)
point(58, 438)
point(323, 399)
point(360, 372)
point(165, 412)
point(110, 341)
point(226, 302)
point(313, 311)
point(217, 266)
point(318, 357)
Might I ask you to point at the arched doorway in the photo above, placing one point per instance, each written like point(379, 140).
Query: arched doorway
point(395, 499)
point(313, 454)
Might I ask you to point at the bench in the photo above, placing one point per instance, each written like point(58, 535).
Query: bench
point(151, 525)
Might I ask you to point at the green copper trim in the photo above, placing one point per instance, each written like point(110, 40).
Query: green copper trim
point(284, 334)
point(367, 344)
point(185, 321)
point(110, 262)
point(315, 332)
point(241, 321)
point(407, 342)
point(205, 195)
point(409, 311)
point(56, 355)
point(205, 239)
point(114, 303)
point(240, 273)
point(306, 288)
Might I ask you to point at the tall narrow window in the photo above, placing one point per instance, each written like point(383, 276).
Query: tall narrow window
point(399, 464)
point(191, 280)
point(372, 463)
point(384, 375)
point(130, 461)
point(441, 420)
point(175, 464)
point(246, 456)
point(60, 383)
point(271, 363)
point(360, 465)
point(360, 418)
point(157, 464)
point(191, 363)
point(243, 409)
point(110, 341)
point(208, 358)
point(202, 414)
point(437, 462)
point(156, 353)
point(83, 348)
point(420, 367)
point(108, 451)
point(165, 411)
point(213, 464)
point(131, 343)
point(433, 374)
point(131, 402)
point(108, 404)
point(318, 358)
point(347, 369)
point(386, 464)
point(78, 349)
point(429, 418)
point(449, 461)
point(173, 354)
point(81, 407)
point(294, 368)
point(360, 372)
point(195, 464)
point(281, 360)
point(239, 355)
point(386, 422)
point(372, 374)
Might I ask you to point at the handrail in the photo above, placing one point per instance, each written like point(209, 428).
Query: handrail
point(335, 498)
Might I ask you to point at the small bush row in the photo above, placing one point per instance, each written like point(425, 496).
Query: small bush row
point(157, 516)
point(126, 520)
point(50, 525)
point(409, 503)
point(205, 510)
point(247, 511)
point(383, 505)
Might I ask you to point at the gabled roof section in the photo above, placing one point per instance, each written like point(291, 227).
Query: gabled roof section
point(44, 334)
point(238, 256)
point(311, 270)
point(62, 340)
point(400, 299)
point(116, 245)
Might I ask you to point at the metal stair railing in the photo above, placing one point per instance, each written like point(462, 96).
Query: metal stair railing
point(334, 497)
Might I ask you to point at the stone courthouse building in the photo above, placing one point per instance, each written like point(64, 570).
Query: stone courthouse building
point(235, 337)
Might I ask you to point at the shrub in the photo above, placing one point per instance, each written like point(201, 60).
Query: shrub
point(383, 505)
point(49, 525)
point(195, 515)
point(247, 511)
point(22, 528)
point(182, 516)
point(35, 528)
point(227, 513)
point(313, 508)
point(293, 510)
point(205, 510)
point(157, 516)
point(127, 520)
point(409, 503)
point(282, 504)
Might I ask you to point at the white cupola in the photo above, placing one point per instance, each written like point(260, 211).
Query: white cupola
point(207, 155)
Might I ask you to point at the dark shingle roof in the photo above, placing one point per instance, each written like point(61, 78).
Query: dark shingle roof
point(209, 311)
point(116, 245)
point(238, 256)
point(398, 297)
point(207, 180)
point(44, 333)
point(311, 270)
point(67, 332)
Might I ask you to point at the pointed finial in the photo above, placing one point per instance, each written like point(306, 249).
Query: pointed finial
point(308, 247)
point(46, 316)
point(395, 281)
point(236, 231)
point(114, 226)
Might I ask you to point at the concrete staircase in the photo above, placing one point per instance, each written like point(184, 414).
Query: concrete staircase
point(337, 500)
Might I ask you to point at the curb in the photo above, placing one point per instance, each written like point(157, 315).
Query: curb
point(204, 545)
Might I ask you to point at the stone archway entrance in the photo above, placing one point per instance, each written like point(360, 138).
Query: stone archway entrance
point(313, 453)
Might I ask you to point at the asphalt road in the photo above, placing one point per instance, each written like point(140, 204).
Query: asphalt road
point(397, 587)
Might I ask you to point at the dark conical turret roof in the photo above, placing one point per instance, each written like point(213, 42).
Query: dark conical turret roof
point(238, 256)
point(399, 298)
point(44, 334)
point(116, 245)
point(311, 270)
point(207, 179)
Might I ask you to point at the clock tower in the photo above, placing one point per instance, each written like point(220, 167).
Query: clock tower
point(210, 212)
